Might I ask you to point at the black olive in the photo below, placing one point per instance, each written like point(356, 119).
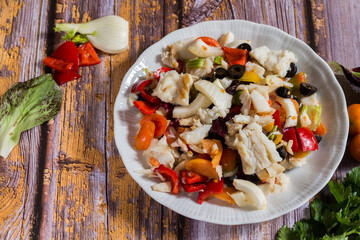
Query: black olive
point(236, 71)
point(307, 89)
point(282, 152)
point(297, 99)
point(220, 73)
point(229, 180)
point(292, 71)
point(283, 92)
point(318, 138)
point(245, 46)
point(208, 78)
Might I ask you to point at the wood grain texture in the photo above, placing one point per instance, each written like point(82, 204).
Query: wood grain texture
point(66, 180)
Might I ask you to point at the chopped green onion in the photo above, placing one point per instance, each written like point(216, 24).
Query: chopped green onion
point(236, 98)
point(218, 60)
point(195, 63)
point(272, 136)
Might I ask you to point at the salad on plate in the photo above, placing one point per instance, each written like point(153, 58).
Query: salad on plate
point(225, 120)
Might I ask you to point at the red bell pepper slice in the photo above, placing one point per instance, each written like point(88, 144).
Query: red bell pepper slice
point(58, 64)
point(307, 140)
point(235, 56)
point(140, 85)
point(87, 55)
point(146, 107)
point(64, 77)
point(214, 186)
point(209, 41)
point(188, 177)
point(276, 117)
point(171, 176)
point(290, 134)
point(67, 52)
point(159, 71)
point(150, 98)
point(195, 187)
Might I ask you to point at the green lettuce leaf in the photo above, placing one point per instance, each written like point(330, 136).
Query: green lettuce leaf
point(26, 105)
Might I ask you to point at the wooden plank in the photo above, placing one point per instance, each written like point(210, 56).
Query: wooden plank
point(19, 174)
point(74, 203)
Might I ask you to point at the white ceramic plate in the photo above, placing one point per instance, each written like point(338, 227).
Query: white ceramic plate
point(305, 181)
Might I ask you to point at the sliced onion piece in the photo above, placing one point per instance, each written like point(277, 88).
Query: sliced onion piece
point(200, 49)
point(253, 191)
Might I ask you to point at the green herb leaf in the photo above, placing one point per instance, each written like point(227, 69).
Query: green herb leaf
point(353, 179)
point(286, 233)
point(26, 105)
point(80, 39)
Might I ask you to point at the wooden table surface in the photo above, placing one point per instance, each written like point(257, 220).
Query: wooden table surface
point(66, 180)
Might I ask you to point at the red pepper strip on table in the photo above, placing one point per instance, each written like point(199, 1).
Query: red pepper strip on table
point(159, 71)
point(146, 107)
point(58, 64)
point(195, 187)
point(188, 177)
point(213, 186)
point(276, 117)
point(64, 77)
point(209, 41)
point(67, 52)
point(139, 86)
point(87, 55)
point(307, 140)
point(290, 134)
point(169, 175)
point(235, 56)
point(150, 98)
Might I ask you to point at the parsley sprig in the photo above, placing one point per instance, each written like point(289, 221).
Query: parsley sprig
point(338, 219)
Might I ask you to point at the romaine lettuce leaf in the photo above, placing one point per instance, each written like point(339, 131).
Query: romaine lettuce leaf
point(26, 105)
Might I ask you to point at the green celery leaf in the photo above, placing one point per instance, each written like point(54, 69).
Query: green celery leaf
point(26, 105)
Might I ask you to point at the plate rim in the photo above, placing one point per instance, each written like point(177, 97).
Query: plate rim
point(313, 55)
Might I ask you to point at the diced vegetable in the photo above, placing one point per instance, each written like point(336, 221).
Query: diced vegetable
point(195, 187)
point(290, 110)
point(214, 148)
point(307, 140)
point(159, 121)
point(195, 63)
point(295, 81)
point(235, 56)
point(150, 98)
point(87, 55)
point(218, 60)
point(146, 107)
point(314, 114)
point(57, 64)
point(276, 117)
point(200, 49)
point(170, 175)
point(110, 34)
point(188, 177)
point(67, 52)
point(145, 135)
point(228, 159)
point(210, 41)
point(236, 98)
point(290, 134)
point(321, 130)
point(139, 86)
point(202, 167)
point(201, 101)
point(251, 76)
point(253, 191)
point(218, 96)
point(64, 77)
point(225, 195)
point(158, 72)
point(212, 187)
point(24, 106)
